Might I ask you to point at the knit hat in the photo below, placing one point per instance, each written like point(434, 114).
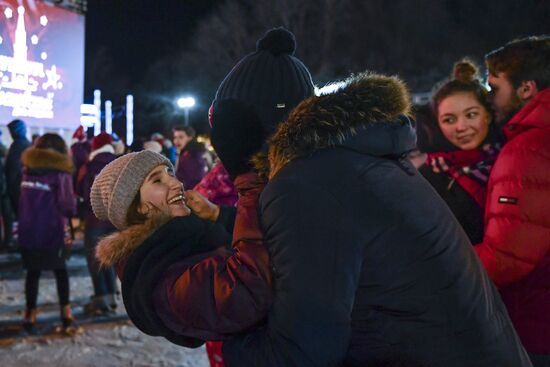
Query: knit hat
point(79, 134)
point(118, 183)
point(100, 140)
point(256, 95)
point(271, 79)
point(157, 137)
point(153, 146)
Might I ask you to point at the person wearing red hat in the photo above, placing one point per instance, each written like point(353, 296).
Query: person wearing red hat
point(80, 149)
point(103, 279)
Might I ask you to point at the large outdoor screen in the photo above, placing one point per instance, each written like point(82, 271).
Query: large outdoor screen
point(41, 64)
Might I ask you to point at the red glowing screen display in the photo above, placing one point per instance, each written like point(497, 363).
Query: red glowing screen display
point(41, 64)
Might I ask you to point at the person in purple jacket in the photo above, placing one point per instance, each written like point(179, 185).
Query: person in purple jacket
point(46, 200)
point(191, 166)
point(103, 279)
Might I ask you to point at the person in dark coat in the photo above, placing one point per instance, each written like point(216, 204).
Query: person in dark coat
point(103, 278)
point(460, 174)
point(191, 166)
point(368, 262)
point(47, 199)
point(215, 295)
point(243, 104)
point(5, 207)
point(13, 168)
point(516, 247)
point(80, 150)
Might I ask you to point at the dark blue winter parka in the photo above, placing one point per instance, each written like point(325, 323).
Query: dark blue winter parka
point(369, 264)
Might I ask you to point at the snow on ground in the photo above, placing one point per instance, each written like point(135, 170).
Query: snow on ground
point(116, 343)
point(102, 345)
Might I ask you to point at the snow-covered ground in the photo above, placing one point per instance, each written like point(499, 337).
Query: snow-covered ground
point(102, 345)
point(114, 343)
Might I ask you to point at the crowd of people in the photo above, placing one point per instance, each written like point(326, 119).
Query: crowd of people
point(324, 233)
point(45, 185)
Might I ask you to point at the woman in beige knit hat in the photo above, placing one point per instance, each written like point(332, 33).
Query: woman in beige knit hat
point(180, 278)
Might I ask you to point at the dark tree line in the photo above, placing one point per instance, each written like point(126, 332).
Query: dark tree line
point(417, 40)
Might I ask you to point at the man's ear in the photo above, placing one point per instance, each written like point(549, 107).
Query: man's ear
point(527, 90)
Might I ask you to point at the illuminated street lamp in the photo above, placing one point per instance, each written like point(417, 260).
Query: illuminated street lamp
point(186, 103)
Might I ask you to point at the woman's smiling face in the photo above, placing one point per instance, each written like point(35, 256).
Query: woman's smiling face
point(162, 191)
point(463, 120)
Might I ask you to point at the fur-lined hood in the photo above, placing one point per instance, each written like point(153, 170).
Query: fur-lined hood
point(329, 120)
point(119, 245)
point(38, 158)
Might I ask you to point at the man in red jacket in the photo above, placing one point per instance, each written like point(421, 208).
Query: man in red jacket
point(516, 244)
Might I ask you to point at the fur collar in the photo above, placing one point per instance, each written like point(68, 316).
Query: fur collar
point(119, 245)
point(326, 121)
point(260, 163)
point(38, 158)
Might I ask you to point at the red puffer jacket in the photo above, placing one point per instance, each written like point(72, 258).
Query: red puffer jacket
point(516, 245)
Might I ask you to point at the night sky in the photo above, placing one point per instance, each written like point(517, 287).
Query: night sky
point(138, 32)
point(159, 50)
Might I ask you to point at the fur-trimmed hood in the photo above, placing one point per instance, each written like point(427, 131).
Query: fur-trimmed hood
point(38, 158)
point(366, 103)
point(119, 245)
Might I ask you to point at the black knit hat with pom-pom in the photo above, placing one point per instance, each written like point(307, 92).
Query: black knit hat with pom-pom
point(256, 95)
point(271, 80)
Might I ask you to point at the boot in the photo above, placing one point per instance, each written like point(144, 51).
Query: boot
point(98, 306)
point(69, 326)
point(29, 322)
point(111, 300)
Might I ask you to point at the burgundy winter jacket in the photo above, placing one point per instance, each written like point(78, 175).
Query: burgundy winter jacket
point(516, 245)
point(226, 292)
point(178, 282)
point(217, 187)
